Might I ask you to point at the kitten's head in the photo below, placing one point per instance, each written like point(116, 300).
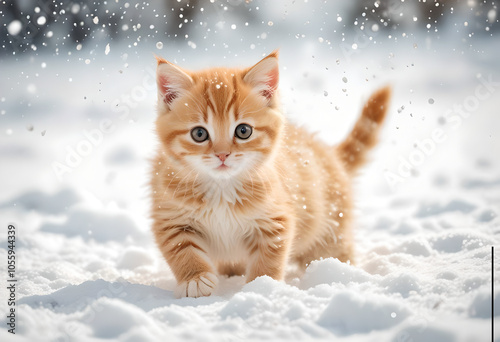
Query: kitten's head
point(219, 122)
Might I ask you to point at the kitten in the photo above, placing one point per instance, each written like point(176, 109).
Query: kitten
point(239, 191)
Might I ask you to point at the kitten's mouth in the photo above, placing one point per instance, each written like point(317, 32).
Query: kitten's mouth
point(222, 167)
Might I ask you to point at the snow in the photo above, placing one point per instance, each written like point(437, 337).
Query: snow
point(41, 20)
point(88, 266)
point(14, 27)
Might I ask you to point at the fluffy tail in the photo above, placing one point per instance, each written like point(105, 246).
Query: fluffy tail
point(363, 137)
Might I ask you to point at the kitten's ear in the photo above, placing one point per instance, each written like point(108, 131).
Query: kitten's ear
point(264, 76)
point(171, 81)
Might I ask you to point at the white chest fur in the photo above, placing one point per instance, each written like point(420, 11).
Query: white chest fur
point(225, 228)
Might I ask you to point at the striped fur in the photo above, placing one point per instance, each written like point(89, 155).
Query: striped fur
point(280, 197)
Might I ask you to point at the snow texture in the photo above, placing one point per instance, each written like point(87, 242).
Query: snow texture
point(427, 203)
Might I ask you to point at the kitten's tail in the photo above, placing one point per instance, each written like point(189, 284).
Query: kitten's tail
point(363, 137)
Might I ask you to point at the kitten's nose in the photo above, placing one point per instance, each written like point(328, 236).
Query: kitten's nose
point(223, 156)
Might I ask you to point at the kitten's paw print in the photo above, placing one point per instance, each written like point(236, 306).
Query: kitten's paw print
point(201, 285)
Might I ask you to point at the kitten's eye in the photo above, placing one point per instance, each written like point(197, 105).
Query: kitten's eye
point(243, 131)
point(199, 134)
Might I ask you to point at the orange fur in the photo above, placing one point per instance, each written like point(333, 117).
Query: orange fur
point(364, 134)
point(250, 206)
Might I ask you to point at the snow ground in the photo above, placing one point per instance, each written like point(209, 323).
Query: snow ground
point(87, 265)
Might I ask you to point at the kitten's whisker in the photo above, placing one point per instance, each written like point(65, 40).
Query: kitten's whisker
point(269, 181)
point(246, 113)
point(251, 180)
point(258, 171)
point(173, 177)
point(263, 185)
point(186, 189)
point(247, 172)
point(160, 174)
point(243, 111)
point(193, 185)
point(281, 172)
point(180, 182)
point(242, 102)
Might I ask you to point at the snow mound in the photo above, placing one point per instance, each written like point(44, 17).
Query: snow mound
point(73, 298)
point(481, 305)
point(349, 313)
point(55, 203)
point(453, 206)
point(112, 318)
point(96, 225)
point(330, 271)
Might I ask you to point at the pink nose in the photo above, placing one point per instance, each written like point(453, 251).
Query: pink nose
point(222, 156)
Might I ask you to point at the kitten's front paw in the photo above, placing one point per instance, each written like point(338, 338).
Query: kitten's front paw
point(201, 285)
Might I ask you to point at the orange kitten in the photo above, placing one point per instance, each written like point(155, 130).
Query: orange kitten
point(238, 190)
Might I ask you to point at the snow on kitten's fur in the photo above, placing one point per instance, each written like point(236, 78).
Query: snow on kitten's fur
point(238, 190)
